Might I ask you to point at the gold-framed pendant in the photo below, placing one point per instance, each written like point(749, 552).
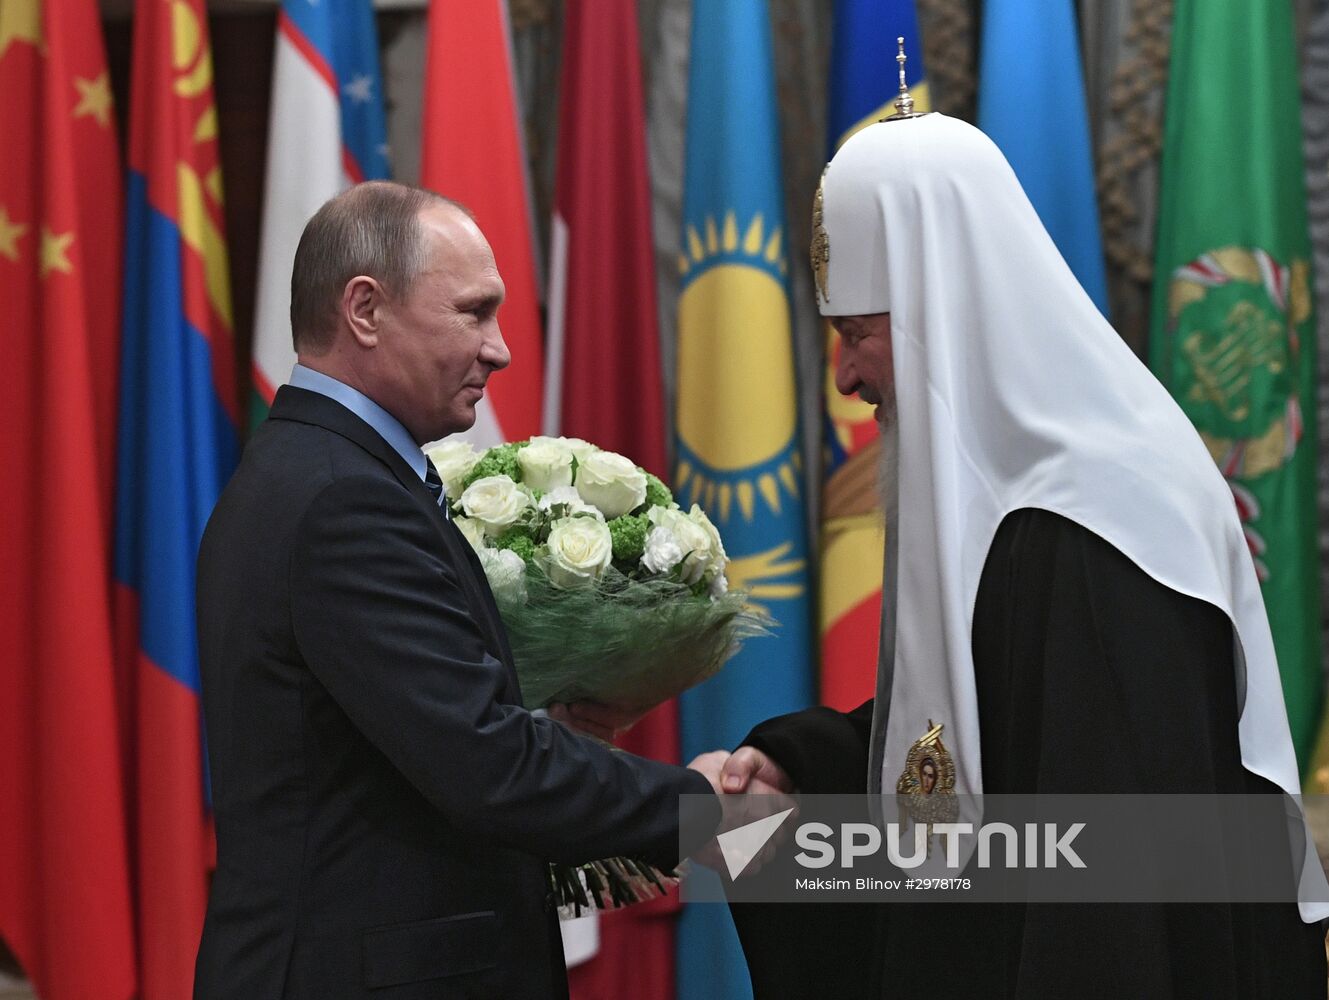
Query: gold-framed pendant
point(925, 791)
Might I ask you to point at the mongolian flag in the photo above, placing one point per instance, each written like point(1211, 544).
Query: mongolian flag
point(326, 132)
point(1031, 103)
point(1233, 326)
point(863, 84)
point(603, 375)
point(177, 447)
point(472, 151)
point(65, 897)
point(738, 437)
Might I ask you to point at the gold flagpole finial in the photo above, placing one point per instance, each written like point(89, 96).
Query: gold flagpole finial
point(904, 104)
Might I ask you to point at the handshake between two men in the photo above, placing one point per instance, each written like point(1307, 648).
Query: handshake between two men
point(732, 776)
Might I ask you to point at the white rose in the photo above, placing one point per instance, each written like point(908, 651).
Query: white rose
point(611, 482)
point(579, 448)
point(545, 464)
point(494, 501)
point(579, 551)
point(454, 461)
point(473, 531)
point(692, 539)
point(662, 553)
point(506, 572)
point(719, 585)
point(717, 553)
point(569, 497)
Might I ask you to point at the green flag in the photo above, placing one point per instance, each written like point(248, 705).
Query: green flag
point(1232, 333)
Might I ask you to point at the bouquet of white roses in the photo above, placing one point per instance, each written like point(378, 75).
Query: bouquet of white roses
point(609, 592)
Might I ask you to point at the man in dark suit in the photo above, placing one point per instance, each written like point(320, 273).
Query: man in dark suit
point(384, 805)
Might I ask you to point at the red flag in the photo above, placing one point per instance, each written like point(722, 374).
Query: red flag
point(471, 150)
point(604, 343)
point(65, 905)
point(604, 370)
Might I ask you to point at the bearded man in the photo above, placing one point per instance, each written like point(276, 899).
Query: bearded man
point(1068, 596)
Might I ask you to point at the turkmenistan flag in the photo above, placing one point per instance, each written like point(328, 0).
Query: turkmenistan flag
point(1233, 336)
point(1315, 120)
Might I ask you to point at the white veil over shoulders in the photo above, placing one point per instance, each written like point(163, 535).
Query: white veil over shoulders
point(1013, 391)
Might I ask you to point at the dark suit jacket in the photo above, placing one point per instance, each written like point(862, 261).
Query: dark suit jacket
point(384, 806)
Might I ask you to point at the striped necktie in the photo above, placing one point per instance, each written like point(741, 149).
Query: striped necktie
point(435, 485)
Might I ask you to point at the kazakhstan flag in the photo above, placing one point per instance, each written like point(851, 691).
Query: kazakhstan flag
point(737, 425)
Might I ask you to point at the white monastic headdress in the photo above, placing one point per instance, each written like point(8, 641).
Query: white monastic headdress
point(1013, 391)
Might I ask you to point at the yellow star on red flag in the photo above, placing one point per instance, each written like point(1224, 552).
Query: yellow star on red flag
point(94, 99)
point(21, 21)
point(10, 232)
point(55, 247)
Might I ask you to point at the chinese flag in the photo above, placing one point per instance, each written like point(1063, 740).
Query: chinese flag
point(65, 906)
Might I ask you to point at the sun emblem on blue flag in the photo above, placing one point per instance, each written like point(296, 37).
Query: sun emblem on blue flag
point(738, 454)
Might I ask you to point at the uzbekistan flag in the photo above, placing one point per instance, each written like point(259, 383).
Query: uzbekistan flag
point(472, 151)
point(326, 132)
point(177, 447)
point(738, 436)
point(863, 87)
point(65, 902)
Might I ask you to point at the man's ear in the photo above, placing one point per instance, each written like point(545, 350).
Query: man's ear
point(362, 306)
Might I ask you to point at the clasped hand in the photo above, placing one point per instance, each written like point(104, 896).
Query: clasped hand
point(730, 774)
point(751, 771)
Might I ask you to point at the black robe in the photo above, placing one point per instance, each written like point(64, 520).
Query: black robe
point(1091, 677)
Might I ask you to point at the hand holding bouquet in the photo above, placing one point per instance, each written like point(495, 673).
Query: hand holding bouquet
point(609, 592)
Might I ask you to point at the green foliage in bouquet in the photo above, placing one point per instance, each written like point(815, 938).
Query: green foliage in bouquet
point(518, 541)
point(608, 589)
point(628, 535)
point(500, 460)
point(619, 641)
point(657, 493)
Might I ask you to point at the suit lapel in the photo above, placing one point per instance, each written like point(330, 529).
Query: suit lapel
point(303, 406)
point(307, 407)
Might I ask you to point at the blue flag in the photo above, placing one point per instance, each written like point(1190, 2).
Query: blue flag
point(864, 79)
point(1031, 103)
point(738, 441)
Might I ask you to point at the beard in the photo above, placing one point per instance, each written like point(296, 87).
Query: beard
point(888, 461)
point(883, 403)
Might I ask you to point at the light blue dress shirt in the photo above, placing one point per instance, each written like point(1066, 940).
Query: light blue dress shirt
point(389, 427)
